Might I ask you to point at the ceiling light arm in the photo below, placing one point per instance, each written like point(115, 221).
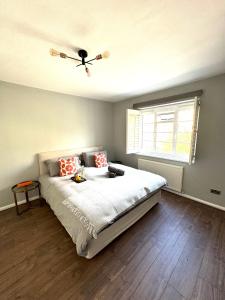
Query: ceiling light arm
point(90, 60)
point(100, 56)
point(73, 58)
point(84, 64)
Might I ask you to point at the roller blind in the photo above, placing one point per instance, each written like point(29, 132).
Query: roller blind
point(169, 100)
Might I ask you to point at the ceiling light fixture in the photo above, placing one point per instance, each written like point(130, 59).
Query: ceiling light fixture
point(83, 55)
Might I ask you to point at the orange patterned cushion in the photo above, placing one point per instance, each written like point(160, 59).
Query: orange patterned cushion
point(68, 166)
point(100, 160)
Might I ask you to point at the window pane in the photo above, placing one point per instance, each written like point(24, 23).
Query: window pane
point(165, 127)
point(148, 118)
point(148, 134)
point(148, 138)
point(165, 117)
point(184, 137)
point(148, 146)
point(164, 137)
point(184, 127)
point(185, 114)
point(163, 147)
point(182, 148)
point(148, 128)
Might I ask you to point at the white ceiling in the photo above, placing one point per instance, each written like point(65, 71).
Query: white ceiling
point(153, 44)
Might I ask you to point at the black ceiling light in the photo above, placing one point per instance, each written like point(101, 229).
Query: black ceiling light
point(83, 55)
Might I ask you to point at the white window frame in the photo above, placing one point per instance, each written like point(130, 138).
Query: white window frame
point(175, 157)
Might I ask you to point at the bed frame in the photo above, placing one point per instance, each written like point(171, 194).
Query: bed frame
point(110, 233)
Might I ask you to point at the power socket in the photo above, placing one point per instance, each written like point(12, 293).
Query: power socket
point(216, 192)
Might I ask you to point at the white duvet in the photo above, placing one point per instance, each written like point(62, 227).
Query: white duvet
point(93, 205)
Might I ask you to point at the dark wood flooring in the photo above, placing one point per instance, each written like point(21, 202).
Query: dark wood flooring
point(175, 252)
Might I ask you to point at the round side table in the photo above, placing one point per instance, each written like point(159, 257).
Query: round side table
point(25, 189)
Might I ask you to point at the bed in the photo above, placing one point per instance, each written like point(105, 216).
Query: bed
point(95, 212)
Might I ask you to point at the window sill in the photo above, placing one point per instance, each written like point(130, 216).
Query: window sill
point(164, 156)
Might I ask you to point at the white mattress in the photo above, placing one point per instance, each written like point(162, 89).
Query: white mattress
point(80, 236)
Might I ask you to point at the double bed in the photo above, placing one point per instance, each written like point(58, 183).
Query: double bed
point(98, 210)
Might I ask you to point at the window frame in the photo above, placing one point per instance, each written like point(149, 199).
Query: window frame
point(178, 105)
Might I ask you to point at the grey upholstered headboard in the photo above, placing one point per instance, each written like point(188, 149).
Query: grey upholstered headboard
point(43, 156)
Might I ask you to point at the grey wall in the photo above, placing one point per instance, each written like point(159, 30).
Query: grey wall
point(33, 121)
point(209, 169)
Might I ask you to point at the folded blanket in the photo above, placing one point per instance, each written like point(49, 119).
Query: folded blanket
point(111, 175)
point(118, 172)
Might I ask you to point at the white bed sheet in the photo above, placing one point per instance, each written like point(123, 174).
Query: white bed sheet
point(133, 186)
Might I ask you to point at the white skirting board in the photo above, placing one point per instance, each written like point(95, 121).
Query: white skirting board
point(19, 203)
point(196, 199)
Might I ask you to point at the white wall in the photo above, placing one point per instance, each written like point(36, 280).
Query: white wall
point(33, 121)
point(209, 169)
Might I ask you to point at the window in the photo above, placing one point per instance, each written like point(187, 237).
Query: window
point(167, 131)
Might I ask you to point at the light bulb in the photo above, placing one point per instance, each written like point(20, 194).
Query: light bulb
point(63, 55)
point(88, 72)
point(105, 54)
point(99, 56)
point(54, 52)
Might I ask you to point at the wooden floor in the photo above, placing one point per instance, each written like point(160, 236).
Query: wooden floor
point(176, 251)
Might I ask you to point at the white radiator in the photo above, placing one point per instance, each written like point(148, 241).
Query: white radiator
point(172, 173)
